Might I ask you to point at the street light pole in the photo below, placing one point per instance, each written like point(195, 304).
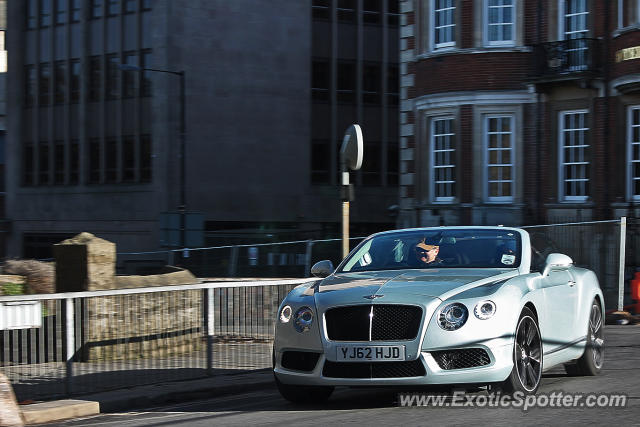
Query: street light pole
point(182, 207)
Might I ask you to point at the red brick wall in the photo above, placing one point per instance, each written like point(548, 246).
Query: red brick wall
point(466, 154)
point(487, 71)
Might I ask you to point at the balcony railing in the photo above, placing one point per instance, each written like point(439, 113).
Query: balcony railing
point(566, 58)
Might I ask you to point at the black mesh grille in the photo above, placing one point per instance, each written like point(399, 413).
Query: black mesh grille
point(390, 322)
point(299, 360)
point(460, 359)
point(413, 368)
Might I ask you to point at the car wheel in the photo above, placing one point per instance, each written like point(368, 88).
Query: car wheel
point(591, 361)
point(527, 356)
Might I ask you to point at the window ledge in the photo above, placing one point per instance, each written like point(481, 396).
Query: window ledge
point(627, 29)
point(473, 51)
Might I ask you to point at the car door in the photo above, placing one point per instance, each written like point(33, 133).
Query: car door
point(560, 309)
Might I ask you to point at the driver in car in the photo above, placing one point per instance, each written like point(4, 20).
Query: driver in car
point(426, 253)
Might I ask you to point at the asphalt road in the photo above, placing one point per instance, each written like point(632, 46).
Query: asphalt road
point(621, 374)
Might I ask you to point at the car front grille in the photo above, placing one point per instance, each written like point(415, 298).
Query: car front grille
point(377, 322)
point(413, 368)
point(461, 359)
point(300, 360)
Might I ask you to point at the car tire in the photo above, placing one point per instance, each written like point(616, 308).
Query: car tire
point(527, 356)
point(590, 363)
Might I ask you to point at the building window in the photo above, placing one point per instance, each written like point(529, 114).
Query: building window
point(74, 162)
point(45, 13)
point(111, 160)
point(31, 14)
point(130, 6)
point(27, 165)
point(321, 9)
point(61, 12)
point(94, 78)
point(346, 10)
point(29, 85)
point(145, 158)
point(74, 81)
point(346, 82)
point(113, 7)
point(371, 10)
point(393, 84)
point(60, 83)
point(45, 78)
point(96, 9)
point(320, 161)
point(573, 156)
point(145, 85)
point(573, 20)
point(113, 72)
point(371, 84)
point(499, 139)
point(3, 52)
point(94, 161)
point(58, 163)
point(372, 165)
point(633, 136)
point(76, 9)
point(500, 22)
point(320, 79)
point(128, 159)
point(393, 161)
point(43, 163)
point(393, 13)
point(443, 176)
point(146, 4)
point(444, 23)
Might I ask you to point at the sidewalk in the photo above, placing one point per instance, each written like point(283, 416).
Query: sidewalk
point(146, 396)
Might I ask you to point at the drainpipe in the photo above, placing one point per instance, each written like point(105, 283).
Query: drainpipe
point(540, 201)
point(606, 139)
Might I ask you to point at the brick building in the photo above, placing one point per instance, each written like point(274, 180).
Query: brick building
point(519, 111)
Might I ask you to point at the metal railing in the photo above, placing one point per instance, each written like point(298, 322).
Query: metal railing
point(560, 58)
point(94, 341)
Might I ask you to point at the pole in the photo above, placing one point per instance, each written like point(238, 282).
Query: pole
point(183, 199)
point(623, 242)
point(345, 211)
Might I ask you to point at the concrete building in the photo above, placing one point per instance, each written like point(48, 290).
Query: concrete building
point(519, 111)
point(270, 88)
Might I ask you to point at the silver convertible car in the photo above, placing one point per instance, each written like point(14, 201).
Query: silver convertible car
point(446, 305)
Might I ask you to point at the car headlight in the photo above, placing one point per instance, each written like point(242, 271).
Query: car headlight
point(484, 309)
point(303, 319)
point(285, 314)
point(453, 316)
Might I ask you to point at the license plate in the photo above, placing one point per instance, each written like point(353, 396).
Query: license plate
point(370, 353)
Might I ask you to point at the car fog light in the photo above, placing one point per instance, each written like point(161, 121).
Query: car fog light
point(484, 309)
point(285, 314)
point(303, 319)
point(453, 316)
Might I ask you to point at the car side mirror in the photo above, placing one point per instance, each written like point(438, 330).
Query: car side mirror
point(322, 268)
point(556, 262)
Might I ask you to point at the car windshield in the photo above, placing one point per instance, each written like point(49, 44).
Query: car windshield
point(437, 248)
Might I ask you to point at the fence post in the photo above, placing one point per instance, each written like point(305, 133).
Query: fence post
point(233, 261)
point(307, 259)
point(70, 348)
point(623, 243)
point(209, 319)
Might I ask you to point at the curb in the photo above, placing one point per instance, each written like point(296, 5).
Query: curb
point(147, 396)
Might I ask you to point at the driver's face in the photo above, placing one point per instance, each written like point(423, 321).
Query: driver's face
point(427, 256)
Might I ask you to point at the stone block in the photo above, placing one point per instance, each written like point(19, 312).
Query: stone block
point(85, 263)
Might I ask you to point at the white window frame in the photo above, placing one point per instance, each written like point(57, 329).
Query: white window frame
point(512, 157)
point(448, 44)
point(561, 163)
point(486, 24)
point(630, 159)
point(432, 166)
point(561, 18)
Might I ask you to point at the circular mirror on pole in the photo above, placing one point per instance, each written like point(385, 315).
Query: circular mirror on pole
point(351, 156)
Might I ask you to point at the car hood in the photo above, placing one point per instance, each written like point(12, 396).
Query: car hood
point(402, 286)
